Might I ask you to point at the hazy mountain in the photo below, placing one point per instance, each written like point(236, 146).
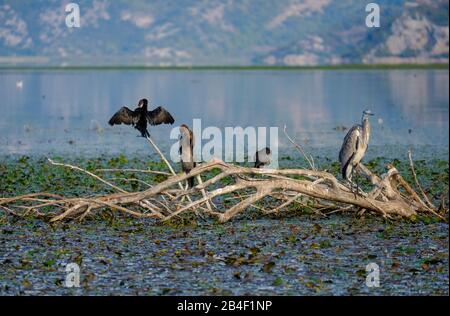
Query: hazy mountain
point(223, 32)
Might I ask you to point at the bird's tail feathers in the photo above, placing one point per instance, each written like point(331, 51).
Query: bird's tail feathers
point(347, 171)
point(347, 168)
point(145, 133)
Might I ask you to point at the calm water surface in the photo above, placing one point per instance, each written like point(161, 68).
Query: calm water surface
point(66, 112)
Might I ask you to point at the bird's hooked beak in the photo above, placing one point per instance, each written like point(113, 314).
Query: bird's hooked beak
point(368, 112)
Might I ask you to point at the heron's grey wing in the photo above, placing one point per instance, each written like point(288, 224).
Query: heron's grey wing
point(124, 116)
point(159, 116)
point(350, 145)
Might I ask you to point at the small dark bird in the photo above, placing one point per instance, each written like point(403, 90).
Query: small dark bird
point(140, 117)
point(186, 152)
point(263, 157)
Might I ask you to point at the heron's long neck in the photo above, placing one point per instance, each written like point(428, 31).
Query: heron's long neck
point(366, 129)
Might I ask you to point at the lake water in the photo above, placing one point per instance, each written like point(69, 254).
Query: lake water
point(66, 112)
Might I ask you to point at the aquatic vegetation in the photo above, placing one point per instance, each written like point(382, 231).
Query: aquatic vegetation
point(241, 257)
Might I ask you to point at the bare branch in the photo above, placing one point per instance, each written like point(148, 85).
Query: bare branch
point(417, 181)
point(135, 170)
point(163, 202)
point(308, 158)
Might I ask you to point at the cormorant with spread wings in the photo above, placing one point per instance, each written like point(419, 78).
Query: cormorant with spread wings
point(141, 116)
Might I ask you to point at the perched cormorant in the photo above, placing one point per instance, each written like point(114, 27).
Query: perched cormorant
point(263, 157)
point(140, 117)
point(186, 152)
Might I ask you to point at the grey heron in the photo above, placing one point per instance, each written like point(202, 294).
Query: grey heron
point(140, 117)
point(186, 151)
point(354, 147)
point(263, 157)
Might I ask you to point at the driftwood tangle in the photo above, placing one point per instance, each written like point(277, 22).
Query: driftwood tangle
point(321, 191)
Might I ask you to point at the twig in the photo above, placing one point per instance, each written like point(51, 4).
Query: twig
point(341, 209)
point(31, 195)
point(414, 195)
point(309, 159)
point(85, 213)
point(133, 180)
point(208, 205)
point(411, 164)
point(135, 170)
point(10, 211)
point(288, 202)
point(150, 140)
point(87, 172)
point(143, 203)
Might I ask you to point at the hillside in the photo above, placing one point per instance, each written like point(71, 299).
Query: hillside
point(223, 32)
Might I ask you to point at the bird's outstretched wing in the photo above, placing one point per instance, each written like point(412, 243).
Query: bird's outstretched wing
point(124, 116)
point(159, 116)
point(351, 144)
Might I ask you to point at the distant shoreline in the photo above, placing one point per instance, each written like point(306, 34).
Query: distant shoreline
point(225, 68)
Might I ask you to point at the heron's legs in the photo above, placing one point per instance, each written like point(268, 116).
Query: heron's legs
point(351, 184)
point(354, 185)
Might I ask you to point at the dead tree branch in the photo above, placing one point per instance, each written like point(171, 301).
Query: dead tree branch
point(163, 201)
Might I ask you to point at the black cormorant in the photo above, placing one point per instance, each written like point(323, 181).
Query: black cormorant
point(263, 157)
point(140, 117)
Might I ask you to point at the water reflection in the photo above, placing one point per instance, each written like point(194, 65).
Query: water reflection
point(54, 110)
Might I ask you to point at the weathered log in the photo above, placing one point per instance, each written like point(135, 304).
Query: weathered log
point(164, 201)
